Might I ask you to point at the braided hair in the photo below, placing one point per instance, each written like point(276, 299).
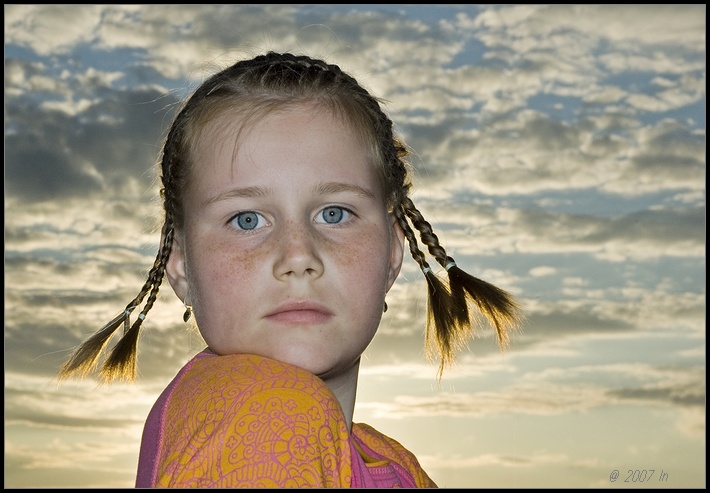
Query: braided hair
point(253, 88)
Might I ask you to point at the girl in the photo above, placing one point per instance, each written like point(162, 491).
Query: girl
point(286, 198)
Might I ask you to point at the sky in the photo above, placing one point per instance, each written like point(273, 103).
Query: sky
point(558, 151)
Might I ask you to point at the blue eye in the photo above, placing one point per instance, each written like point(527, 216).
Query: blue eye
point(333, 215)
point(248, 220)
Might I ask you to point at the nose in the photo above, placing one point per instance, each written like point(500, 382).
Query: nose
point(297, 253)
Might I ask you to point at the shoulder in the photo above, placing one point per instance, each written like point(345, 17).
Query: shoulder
point(244, 420)
point(243, 376)
point(215, 390)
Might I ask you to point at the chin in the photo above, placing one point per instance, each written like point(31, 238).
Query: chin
point(317, 362)
point(304, 360)
point(315, 359)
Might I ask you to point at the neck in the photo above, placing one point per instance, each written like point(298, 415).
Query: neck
point(344, 386)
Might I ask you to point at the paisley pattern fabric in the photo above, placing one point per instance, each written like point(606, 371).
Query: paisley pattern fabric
point(248, 421)
point(388, 463)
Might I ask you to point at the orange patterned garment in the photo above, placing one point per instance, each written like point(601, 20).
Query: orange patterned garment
point(248, 421)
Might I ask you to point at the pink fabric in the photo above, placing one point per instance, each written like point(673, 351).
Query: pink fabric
point(196, 433)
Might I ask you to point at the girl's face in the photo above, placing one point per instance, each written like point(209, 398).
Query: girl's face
point(288, 249)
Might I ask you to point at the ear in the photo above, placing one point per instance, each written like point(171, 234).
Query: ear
point(397, 251)
point(175, 269)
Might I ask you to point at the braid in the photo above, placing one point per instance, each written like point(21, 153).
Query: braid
point(121, 364)
point(426, 232)
point(439, 309)
point(431, 240)
point(499, 307)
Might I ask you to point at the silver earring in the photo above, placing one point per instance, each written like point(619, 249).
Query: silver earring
point(188, 312)
point(385, 308)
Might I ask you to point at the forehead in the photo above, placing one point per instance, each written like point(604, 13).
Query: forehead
point(298, 140)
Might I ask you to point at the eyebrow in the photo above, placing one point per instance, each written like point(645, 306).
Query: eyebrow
point(332, 187)
point(337, 187)
point(247, 192)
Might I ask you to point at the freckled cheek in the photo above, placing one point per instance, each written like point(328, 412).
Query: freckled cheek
point(222, 266)
point(365, 259)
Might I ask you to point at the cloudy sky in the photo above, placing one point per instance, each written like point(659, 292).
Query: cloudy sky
point(559, 153)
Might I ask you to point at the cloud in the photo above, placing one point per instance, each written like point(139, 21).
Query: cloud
point(558, 152)
point(107, 148)
point(51, 29)
point(558, 391)
point(639, 235)
point(615, 23)
point(542, 271)
point(492, 460)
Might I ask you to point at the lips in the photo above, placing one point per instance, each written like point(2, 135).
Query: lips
point(300, 313)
